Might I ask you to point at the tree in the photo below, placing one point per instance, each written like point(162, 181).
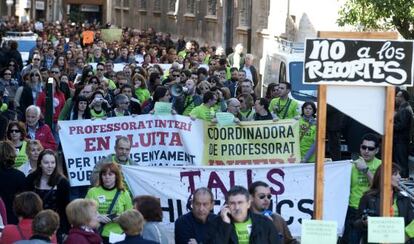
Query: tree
point(376, 15)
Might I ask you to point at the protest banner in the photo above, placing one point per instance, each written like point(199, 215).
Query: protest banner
point(155, 140)
point(258, 142)
point(110, 35)
point(363, 62)
point(291, 188)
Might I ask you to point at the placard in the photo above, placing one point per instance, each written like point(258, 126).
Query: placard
point(386, 230)
point(319, 231)
point(358, 62)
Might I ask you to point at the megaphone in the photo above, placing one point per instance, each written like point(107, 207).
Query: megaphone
point(178, 90)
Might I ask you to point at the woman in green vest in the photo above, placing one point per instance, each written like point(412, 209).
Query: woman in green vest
point(111, 197)
point(307, 132)
point(99, 107)
point(16, 133)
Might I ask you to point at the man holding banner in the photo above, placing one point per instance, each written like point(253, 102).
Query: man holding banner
point(121, 156)
point(284, 107)
point(237, 224)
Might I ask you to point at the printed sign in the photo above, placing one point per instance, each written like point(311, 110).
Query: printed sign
point(319, 231)
point(155, 140)
point(258, 142)
point(386, 230)
point(358, 62)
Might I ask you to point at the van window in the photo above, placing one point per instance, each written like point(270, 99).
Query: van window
point(282, 73)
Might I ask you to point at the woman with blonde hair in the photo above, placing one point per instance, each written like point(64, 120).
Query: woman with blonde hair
point(83, 218)
point(111, 197)
point(33, 150)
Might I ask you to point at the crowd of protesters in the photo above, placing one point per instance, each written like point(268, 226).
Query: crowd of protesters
point(95, 79)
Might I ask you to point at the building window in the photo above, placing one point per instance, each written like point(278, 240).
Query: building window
point(190, 6)
point(212, 7)
point(157, 5)
point(171, 5)
point(143, 4)
point(244, 13)
point(117, 3)
point(264, 13)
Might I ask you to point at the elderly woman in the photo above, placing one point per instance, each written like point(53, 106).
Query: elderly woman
point(82, 216)
point(11, 179)
point(111, 197)
point(16, 133)
point(150, 208)
point(132, 224)
point(26, 205)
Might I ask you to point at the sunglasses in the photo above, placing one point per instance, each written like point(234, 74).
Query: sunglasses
point(36, 59)
point(31, 75)
point(363, 147)
point(14, 131)
point(7, 73)
point(264, 196)
point(55, 72)
point(100, 69)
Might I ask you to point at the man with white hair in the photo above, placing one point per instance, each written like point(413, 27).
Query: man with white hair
point(236, 59)
point(37, 130)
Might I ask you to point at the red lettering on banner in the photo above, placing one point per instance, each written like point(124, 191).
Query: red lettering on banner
point(176, 140)
point(214, 181)
point(250, 162)
point(270, 175)
point(96, 143)
point(190, 175)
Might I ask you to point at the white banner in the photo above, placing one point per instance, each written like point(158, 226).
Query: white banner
point(156, 141)
point(292, 187)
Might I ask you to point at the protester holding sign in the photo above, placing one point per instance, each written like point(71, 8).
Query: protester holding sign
point(111, 197)
point(362, 175)
point(307, 127)
point(370, 203)
point(205, 111)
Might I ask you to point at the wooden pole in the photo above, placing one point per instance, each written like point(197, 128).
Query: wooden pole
point(387, 152)
point(320, 153)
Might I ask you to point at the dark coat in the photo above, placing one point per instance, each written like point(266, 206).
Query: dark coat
point(402, 123)
point(263, 231)
point(372, 202)
point(187, 227)
point(79, 236)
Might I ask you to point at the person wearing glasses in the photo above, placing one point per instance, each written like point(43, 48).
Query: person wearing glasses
point(260, 203)
point(10, 86)
point(35, 64)
point(16, 133)
point(27, 94)
point(121, 106)
point(362, 174)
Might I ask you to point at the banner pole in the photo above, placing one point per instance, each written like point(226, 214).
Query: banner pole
point(320, 153)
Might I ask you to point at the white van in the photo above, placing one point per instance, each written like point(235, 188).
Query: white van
point(286, 65)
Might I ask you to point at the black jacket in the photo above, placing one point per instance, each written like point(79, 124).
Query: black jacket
point(263, 231)
point(402, 123)
point(370, 203)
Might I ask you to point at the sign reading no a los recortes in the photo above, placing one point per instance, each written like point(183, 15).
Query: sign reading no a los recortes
point(358, 62)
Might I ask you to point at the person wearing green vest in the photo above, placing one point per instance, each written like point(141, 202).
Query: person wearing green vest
point(16, 133)
point(121, 156)
point(186, 102)
point(237, 224)
point(188, 49)
point(111, 197)
point(205, 111)
point(362, 174)
point(307, 133)
point(284, 107)
point(371, 201)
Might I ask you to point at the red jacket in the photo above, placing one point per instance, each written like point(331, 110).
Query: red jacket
point(79, 236)
point(11, 234)
point(41, 102)
point(45, 136)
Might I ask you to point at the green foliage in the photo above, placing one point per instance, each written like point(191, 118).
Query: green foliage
point(379, 15)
